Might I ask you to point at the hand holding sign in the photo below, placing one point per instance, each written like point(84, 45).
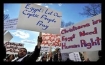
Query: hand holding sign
point(39, 39)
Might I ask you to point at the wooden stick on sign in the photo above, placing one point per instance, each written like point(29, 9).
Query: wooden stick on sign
point(50, 48)
point(40, 34)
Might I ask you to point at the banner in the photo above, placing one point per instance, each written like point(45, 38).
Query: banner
point(12, 47)
point(84, 36)
point(38, 18)
point(10, 24)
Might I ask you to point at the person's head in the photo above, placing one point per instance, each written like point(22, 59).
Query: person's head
point(10, 57)
point(56, 50)
point(22, 52)
point(44, 58)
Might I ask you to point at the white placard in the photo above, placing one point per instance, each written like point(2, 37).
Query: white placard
point(74, 56)
point(84, 36)
point(45, 49)
point(12, 47)
point(10, 24)
point(8, 36)
point(38, 18)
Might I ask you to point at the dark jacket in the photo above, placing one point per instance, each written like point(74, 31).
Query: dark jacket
point(33, 57)
point(56, 57)
point(50, 60)
point(3, 52)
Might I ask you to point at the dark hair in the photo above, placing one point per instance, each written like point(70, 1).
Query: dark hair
point(24, 49)
point(10, 56)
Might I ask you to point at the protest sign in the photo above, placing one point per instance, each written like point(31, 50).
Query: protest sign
point(12, 47)
point(45, 49)
point(51, 39)
point(84, 36)
point(10, 24)
point(75, 56)
point(38, 18)
point(8, 36)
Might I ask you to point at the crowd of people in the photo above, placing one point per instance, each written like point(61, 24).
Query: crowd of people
point(35, 56)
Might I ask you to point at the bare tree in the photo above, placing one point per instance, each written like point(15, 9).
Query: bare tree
point(69, 24)
point(91, 10)
point(63, 24)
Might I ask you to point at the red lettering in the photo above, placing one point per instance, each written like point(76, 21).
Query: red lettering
point(83, 43)
point(68, 38)
point(74, 28)
point(63, 31)
point(98, 40)
point(63, 45)
point(96, 21)
point(83, 33)
point(89, 45)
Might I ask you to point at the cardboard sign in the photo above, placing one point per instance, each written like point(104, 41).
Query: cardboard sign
point(84, 36)
point(8, 36)
point(51, 39)
point(38, 18)
point(10, 24)
point(12, 47)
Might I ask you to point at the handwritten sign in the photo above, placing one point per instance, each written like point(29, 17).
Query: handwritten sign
point(12, 47)
point(84, 36)
point(74, 56)
point(45, 49)
point(38, 18)
point(51, 39)
point(10, 24)
point(7, 36)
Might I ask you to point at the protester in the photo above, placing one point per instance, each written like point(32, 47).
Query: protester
point(44, 58)
point(3, 52)
point(50, 57)
point(22, 54)
point(100, 56)
point(10, 58)
point(57, 55)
